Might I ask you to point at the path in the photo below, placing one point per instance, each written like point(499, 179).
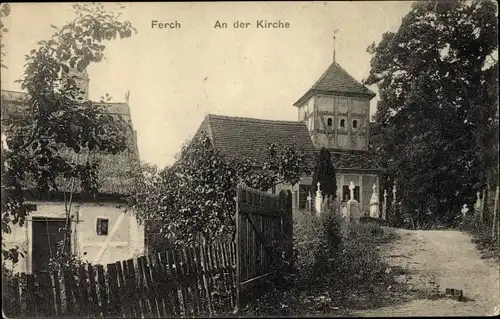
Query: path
point(452, 261)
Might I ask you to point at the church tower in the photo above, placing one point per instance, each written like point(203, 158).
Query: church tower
point(336, 110)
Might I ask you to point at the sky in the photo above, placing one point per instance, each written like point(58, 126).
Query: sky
point(178, 76)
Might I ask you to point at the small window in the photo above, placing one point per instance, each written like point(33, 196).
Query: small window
point(354, 124)
point(102, 226)
point(273, 190)
point(329, 121)
point(342, 123)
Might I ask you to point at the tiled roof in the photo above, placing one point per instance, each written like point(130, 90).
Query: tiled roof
point(336, 80)
point(346, 159)
point(115, 171)
point(249, 138)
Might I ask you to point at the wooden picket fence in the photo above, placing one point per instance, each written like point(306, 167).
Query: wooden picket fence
point(197, 281)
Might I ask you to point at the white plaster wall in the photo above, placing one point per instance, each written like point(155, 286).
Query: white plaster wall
point(343, 103)
point(360, 106)
point(326, 103)
point(300, 113)
point(125, 242)
point(322, 140)
point(343, 140)
point(310, 105)
point(361, 142)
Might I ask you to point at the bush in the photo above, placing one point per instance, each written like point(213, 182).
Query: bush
point(8, 291)
point(335, 255)
point(65, 260)
point(482, 235)
point(338, 268)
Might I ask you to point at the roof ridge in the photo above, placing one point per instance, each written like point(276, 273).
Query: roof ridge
point(252, 119)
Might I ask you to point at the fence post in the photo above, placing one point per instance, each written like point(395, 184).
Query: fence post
point(495, 216)
point(482, 206)
point(238, 251)
point(289, 231)
point(477, 207)
point(384, 207)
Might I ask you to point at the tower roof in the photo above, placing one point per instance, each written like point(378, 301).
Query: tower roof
point(336, 80)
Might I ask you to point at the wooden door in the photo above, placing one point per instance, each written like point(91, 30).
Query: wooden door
point(47, 232)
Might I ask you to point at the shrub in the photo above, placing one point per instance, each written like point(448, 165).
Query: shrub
point(8, 290)
point(62, 261)
point(306, 242)
point(482, 235)
point(339, 257)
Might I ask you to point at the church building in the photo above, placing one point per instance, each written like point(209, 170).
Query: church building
point(334, 113)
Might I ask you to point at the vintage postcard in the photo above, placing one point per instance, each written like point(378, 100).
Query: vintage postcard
point(250, 159)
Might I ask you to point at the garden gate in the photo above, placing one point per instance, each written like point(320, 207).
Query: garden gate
point(264, 237)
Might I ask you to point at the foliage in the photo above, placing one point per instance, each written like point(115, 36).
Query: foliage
point(488, 245)
point(339, 268)
point(4, 12)
point(196, 196)
point(61, 262)
point(8, 290)
point(436, 118)
point(56, 118)
point(324, 173)
point(340, 256)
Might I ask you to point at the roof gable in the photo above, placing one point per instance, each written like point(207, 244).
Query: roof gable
point(336, 80)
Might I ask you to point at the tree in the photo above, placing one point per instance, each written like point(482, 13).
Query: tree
point(196, 196)
point(4, 12)
point(324, 173)
point(437, 111)
point(55, 118)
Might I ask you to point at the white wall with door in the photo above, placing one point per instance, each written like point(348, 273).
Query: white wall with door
point(106, 232)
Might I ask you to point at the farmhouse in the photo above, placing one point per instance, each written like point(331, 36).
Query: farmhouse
point(102, 227)
point(333, 113)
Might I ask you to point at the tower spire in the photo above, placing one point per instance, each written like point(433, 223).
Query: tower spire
point(334, 38)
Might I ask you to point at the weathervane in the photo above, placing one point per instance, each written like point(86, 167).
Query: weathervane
point(334, 38)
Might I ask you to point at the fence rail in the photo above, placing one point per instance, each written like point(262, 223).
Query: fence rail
point(196, 281)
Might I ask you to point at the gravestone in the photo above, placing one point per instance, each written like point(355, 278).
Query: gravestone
point(319, 200)
point(384, 208)
point(374, 208)
point(464, 211)
point(478, 206)
point(353, 208)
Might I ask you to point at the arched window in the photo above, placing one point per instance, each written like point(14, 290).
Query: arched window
point(354, 124)
point(329, 121)
point(342, 123)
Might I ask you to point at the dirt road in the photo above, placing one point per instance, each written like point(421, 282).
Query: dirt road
point(449, 259)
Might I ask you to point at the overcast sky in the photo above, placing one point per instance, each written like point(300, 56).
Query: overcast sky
point(177, 76)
